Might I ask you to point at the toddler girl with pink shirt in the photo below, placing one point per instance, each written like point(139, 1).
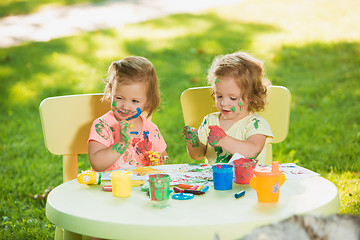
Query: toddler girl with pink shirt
point(122, 137)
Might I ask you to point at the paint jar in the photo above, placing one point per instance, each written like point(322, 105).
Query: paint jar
point(267, 183)
point(244, 170)
point(121, 183)
point(222, 176)
point(159, 189)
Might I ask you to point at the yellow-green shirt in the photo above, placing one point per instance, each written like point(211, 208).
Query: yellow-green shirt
point(244, 128)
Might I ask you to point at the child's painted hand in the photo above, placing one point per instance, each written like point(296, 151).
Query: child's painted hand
point(124, 141)
point(157, 158)
point(191, 134)
point(125, 132)
point(215, 135)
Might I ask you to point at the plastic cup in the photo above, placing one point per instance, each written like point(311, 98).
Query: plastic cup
point(244, 170)
point(222, 176)
point(159, 186)
point(121, 183)
point(267, 183)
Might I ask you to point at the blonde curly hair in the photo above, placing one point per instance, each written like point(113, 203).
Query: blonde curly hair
point(248, 73)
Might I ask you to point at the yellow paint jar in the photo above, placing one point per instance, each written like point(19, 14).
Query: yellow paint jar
point(121, 183)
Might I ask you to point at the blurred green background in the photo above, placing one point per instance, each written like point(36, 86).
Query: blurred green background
point(310, 47)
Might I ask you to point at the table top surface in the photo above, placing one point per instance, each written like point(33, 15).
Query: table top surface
point(90, 211)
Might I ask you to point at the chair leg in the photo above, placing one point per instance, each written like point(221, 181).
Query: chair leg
point(269, 154)
point(70, 167)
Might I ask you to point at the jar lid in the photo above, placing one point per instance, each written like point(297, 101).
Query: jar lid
point(159, 177)
point(245, 162)
point(220, 167)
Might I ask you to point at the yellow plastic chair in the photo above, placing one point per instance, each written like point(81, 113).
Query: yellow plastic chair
point(197, 102)
point(66, 122)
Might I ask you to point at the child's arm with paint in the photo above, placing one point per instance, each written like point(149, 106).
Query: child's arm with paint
point(195, 148)
point(102, 157)
point(248, 148)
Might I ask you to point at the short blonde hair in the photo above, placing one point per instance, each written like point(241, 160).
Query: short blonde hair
point(248, 73)
point(134, 69)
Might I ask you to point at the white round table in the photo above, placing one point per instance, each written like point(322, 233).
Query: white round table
point(87, 210)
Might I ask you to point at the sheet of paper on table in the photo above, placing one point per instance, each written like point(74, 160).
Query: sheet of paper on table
point(293, 171)
point(202, 173)
point(179, 173)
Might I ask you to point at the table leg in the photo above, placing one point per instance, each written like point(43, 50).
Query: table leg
point(71, 235)
point(59, 233)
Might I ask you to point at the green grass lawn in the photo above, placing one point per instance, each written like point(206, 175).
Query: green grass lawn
point(311, 47)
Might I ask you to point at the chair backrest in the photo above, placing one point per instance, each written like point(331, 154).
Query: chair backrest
point(66, 123)
point(197, 102)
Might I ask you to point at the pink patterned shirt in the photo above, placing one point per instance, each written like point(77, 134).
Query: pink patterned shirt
point(105, 130)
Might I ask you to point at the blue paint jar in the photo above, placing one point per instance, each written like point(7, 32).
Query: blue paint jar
point(222, 176)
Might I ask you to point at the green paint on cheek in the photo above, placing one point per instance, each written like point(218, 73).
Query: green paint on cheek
point(233, 109)
point(240, 104)
point(113, 104)
point(216, 80)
